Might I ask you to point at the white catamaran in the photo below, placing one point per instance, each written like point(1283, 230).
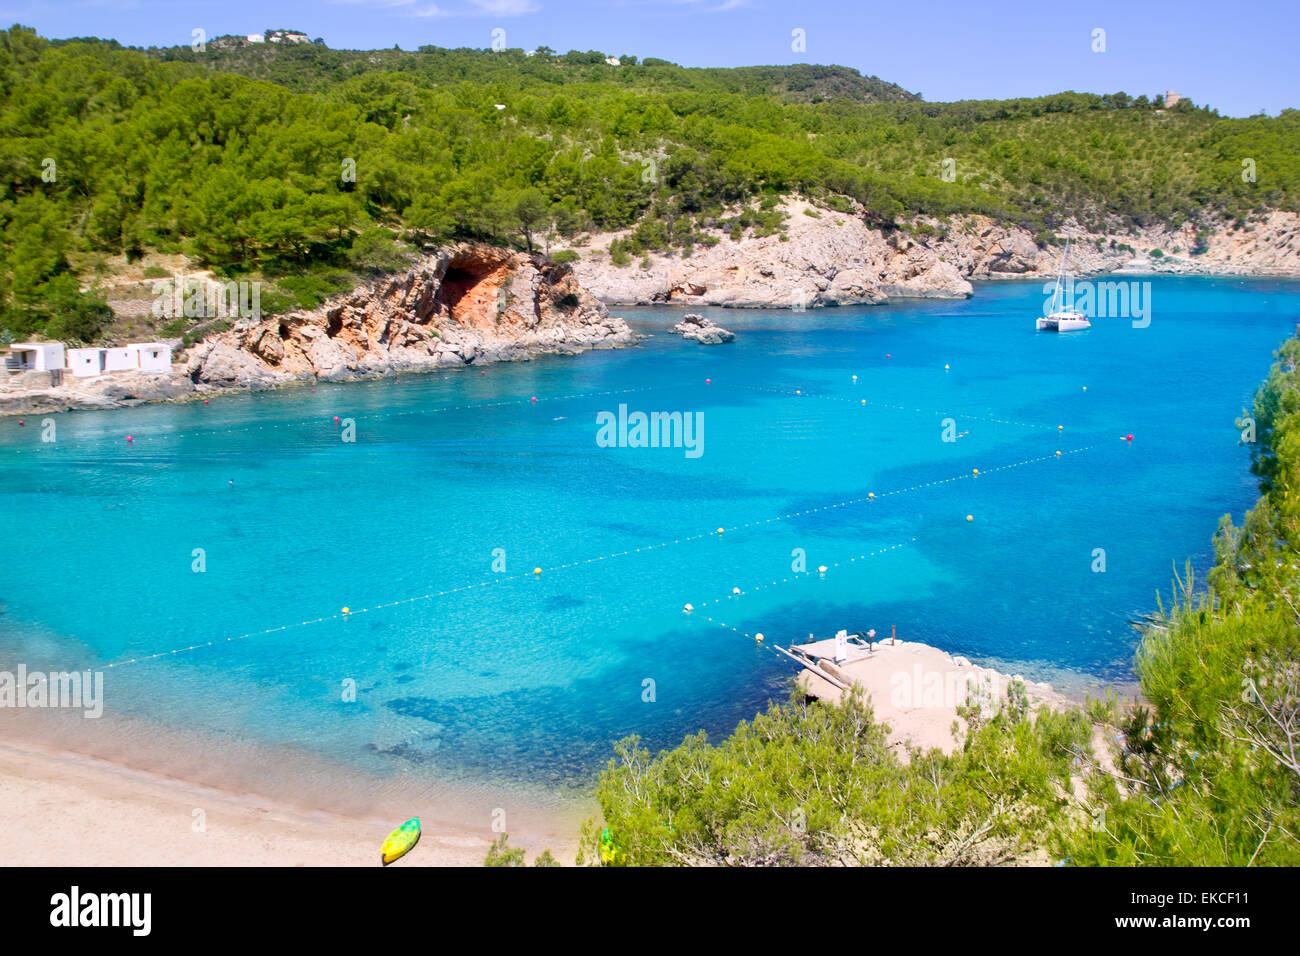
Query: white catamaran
point(1062, 321)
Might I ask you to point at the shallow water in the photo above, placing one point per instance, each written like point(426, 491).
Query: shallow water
point(507, 676)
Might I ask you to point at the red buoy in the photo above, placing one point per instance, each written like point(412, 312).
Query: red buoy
point(336, 419)
point(129, 438)
point(1128, 437)
point(205, 401)
point(887, 355)
point(534, 398)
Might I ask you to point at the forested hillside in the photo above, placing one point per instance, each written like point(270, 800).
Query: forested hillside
point(315, 68)
point(332, 162)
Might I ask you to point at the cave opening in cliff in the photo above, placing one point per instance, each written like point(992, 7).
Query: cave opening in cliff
point(462, 291)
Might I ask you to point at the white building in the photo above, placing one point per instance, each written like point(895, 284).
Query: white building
point(152, 356)
point(34, 356)
point(256, 38)
point(86, 363)
point(120, 360)
point(146, 357)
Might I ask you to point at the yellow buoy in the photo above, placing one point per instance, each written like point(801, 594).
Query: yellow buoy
point(798, 392)
point(970, 517)
point(719, 531)
point(1058, 454)
point(975, 471)
point(759, 637)
point(1060, 428)
point(871, 494)
point(864, 401)
point(347, 610)
point(537, 570)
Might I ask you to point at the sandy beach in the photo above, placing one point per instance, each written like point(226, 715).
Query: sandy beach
point(66, 809)
point(60, 807)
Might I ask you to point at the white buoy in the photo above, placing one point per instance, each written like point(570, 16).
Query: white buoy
point(822, 569)
point(735, 590)
point(689, 608)
point(945, 368)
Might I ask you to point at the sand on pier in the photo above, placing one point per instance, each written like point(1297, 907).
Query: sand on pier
point(916, 689)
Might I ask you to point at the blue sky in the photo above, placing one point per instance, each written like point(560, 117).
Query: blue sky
point(1237, 57)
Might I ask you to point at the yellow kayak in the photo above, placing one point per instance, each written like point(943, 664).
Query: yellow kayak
point(399, 842)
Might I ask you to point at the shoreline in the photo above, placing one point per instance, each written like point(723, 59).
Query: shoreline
point(166, 387)
point(57, 805)
point(173, 815)
point(685, 305)
point(161, 817)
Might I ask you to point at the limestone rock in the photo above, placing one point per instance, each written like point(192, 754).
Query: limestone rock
point(697, 328)
point(457, 306)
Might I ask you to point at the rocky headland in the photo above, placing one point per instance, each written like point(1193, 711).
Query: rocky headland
point(463, 305)
point(823, 257)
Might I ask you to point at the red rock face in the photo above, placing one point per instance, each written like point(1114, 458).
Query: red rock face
point(465, 304)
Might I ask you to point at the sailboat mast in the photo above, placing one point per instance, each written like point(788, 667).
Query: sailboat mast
point(1061, 277)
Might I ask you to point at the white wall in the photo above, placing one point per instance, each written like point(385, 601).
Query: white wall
point(154, 357)
point(120, 360)
point(49, 356)
point(86, 362)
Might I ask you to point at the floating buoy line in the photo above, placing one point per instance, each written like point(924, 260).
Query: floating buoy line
point(795, 578)
point(858, 400)
point(534, 573)
point(379, 416)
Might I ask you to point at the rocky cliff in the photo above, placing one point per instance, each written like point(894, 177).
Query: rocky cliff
point(828, 258)
point(834, 258)
point(461, 305)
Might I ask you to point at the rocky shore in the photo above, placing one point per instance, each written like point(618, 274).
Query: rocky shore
point(473, 303)
point(463, 305)
point(826, 258)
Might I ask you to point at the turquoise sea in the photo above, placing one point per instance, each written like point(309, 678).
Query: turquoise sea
point(463, 672)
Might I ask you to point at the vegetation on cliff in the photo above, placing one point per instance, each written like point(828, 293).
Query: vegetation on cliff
point(307, 166)
point(1206, 773)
